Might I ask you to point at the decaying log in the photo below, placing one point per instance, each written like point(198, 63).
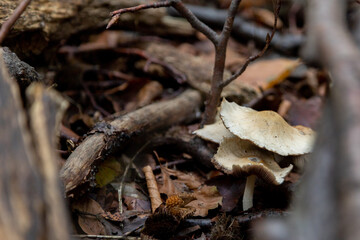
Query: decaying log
point(47, 21)
point(328, 205)
point(31, 204)
point(155, 116)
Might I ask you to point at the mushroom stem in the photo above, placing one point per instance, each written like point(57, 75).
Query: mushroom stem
point(249, 192)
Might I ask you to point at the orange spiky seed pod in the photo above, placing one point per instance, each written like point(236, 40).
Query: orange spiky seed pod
point(174, 201)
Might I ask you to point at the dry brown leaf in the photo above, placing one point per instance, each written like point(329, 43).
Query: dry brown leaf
point(265, 74)
point(207, 197)
point(304, 112)
point(181, 184)
point(89, 223)
point(145, 95)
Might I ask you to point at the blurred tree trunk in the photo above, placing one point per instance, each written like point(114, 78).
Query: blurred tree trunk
point(328, 204)
point(31, 203)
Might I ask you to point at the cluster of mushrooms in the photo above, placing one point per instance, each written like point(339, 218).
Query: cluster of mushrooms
point(252, 142)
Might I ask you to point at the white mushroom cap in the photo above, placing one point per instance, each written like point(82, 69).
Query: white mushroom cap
point(214, 132)
point(237, 157)
point(266, 129)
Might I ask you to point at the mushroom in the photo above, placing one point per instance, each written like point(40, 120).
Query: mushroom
point(266, 129)
point(236, 156)
point(252, 141)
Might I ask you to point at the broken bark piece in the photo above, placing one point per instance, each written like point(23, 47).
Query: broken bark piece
point(30, 198)
point(147, 119)
point(21, 71)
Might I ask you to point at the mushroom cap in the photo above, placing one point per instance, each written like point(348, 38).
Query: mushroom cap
point(236, 156)
point(214, 132)
point(266, 129)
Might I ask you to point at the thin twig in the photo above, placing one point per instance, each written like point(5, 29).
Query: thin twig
point(225, 33)
point(115, 15)
point(253, 58)
point(93, 101)
point(178, 76)
point(170, 164)
point(179, 6)
point(195, 22)
point(141, 7)
point(214, 95)
point(105, 237)
point(121, 187)
point(7, 25)
point(245, 218)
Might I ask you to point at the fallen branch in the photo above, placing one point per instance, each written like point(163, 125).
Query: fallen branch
point(152, 117)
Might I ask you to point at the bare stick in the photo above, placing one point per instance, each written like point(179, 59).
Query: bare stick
point(5, 28)
point(260, 54)
point(152, 188)
point(213, 99)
